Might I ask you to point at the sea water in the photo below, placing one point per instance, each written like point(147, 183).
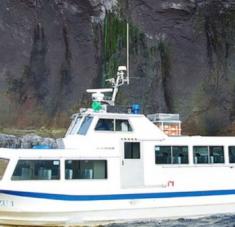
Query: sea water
point(210, 221)
point(215, 221)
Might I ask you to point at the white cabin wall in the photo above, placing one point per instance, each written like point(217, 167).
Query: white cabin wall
point(152, 176)
point(144, 129)
point(98, 141)
point(187, 177)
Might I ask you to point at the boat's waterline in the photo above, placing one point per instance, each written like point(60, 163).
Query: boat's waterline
point(23, 210)
point(93, 218)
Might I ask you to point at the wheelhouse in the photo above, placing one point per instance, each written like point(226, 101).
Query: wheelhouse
point(81, 124)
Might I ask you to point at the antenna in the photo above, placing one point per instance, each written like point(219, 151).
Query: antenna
point(121, 80)
point(98, 94)
point(127, 52)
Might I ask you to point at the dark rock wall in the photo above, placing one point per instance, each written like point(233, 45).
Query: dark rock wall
point(48, 59)
point(181, 58)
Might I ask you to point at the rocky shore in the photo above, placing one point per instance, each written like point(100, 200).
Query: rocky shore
point(27, 141)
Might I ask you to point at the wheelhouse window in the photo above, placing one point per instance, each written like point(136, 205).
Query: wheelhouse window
point(85, 125)
point(3, 165)
point(37, 170)
point(132, 150)
point(85, 169)
point(122, 126)
point(75, 124)
point(171, 155)
point(231, 150)
point(208, 154)
point(105, 125)
point(119, 125)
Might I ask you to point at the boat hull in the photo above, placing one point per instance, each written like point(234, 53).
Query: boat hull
point(111, 216)
point(20, 210)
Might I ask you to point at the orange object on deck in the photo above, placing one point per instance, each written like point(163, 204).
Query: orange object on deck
point(168, 123)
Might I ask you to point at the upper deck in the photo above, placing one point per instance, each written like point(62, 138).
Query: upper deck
point(109, 128)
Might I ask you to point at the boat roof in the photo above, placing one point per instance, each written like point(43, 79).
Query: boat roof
point(104, 114)
point(54, 153)
point(200, 140)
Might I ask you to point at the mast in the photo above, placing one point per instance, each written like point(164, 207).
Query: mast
point(122, 78)
point(127, 52)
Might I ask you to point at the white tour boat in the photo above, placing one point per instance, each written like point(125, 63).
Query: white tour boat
point(116, 166)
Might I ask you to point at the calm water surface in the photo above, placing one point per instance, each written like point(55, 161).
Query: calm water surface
point(215, 221)
point(211, 221)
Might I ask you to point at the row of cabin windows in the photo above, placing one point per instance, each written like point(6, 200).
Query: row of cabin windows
point(97, 169)
point(120, 125)
point(50, 169)
point(201, 154)
point(179, 154)
point(74, 169)
point(103, 124)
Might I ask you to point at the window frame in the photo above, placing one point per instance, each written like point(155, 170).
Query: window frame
point(182, 157)
point(83, 178)
point(130, 128)
point(209, 156)
point(58, 176)
point(211, 152)
point(104, 130)
point(168, 152)
point(229, 157)
point(85, 125)
point(171, 154)
point(74, 125)
point(132, 156)
point(114, 129)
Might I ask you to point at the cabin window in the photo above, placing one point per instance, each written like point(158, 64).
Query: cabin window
point(208, 154)
point(85, 169)
point(3, 165)
point(216, 154)
point(180, 154)
point(200, 154)
point(105, 125)
point(132, 150)
point(171, 154)
point(119, 125)
point(74, 126)
point(122, 126)
point(85, 125)
point(231, 150)
point(163, 154)
point(37, 170)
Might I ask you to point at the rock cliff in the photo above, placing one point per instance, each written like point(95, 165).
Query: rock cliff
point(181, 59)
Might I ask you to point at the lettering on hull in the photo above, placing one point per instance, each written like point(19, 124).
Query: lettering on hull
point(6, 203)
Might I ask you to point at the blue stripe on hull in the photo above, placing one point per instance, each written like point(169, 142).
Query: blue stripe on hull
point(158, 195)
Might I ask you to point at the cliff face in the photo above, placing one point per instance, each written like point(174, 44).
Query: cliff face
point(48, 58)
point(181, 58)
